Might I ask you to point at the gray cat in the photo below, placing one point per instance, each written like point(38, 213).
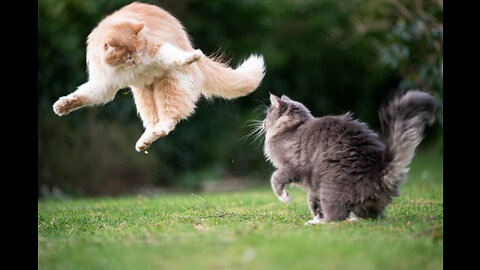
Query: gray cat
point(342, 164)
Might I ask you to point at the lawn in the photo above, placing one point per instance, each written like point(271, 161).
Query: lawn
point(246, 229)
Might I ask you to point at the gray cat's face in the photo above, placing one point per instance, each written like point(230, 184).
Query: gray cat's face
point(285, 113)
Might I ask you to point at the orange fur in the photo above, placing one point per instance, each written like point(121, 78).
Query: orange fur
point(145, 104)
point(145, 48)
point(174, 102)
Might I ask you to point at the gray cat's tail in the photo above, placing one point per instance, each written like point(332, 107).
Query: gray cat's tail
point(403, 121)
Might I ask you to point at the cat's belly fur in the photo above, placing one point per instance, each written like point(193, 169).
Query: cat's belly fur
point(143, 76)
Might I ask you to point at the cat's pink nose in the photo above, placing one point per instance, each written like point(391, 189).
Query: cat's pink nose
point(264, 124)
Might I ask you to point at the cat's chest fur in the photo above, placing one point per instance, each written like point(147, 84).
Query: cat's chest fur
point(281, 150)
point(141, 74)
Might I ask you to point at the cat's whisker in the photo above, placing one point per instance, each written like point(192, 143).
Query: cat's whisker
point(249, 136)
point(253, 121)
point(339, 160)
point(256, 133)
point(259, 137)
point(252, 124)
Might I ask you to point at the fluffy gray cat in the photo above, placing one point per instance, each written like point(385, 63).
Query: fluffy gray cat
point(342, 164)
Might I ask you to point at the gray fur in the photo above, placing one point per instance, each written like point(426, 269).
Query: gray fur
point(342, 164)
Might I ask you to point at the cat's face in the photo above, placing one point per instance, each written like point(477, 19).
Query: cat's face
point(285, 113)
point(122, 43)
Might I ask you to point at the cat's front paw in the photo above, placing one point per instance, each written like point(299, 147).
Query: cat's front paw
point(193, 57)
point(66, 104)
point(284, 197)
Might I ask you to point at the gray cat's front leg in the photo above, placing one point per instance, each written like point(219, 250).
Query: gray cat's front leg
point(314, 205)
point(278, 180)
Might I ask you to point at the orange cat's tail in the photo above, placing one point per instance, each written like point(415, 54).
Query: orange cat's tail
point(222, 81)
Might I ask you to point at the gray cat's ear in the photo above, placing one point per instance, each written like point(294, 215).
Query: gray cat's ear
point(275, 101)
point(285, 98)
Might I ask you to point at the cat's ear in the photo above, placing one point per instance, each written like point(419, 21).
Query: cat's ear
point(111, 42)
point(285, 98)
point(137, 28)
point(275, 101)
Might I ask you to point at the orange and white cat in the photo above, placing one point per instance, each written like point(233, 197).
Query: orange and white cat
point(145, 48)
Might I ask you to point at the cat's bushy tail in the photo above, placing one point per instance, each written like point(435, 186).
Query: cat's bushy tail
point(222, 81)
point(403, 121)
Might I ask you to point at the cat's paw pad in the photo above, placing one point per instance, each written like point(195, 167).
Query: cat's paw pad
point(284, 197)
point(66, 104)
point(315, 221)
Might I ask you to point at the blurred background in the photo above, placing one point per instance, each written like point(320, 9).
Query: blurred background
point(332, 55)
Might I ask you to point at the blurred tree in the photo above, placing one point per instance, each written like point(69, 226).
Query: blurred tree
point(408, 37)
point(333, 55)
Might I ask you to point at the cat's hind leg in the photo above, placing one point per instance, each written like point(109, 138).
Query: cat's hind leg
point(334, 211)
point(369, 209)
point(313, 198)
point(147, 110)
point(173, 99)
point(334, 205)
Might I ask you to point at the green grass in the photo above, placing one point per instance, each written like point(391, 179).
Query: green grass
point(248, 229)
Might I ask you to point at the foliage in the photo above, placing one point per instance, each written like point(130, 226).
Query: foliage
point(335, 56)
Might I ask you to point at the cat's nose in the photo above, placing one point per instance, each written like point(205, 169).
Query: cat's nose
point(264, 124)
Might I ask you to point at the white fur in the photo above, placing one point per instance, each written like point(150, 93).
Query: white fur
point(188, 82)
point(354, 219)
point(170, 56)
point(284, 198)
point(316, 220)
point(254, 64)
point(105, 80)
point(157, 59)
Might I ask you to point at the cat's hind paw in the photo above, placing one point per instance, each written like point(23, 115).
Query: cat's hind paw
point(353, 219)
point(145, 141)
point(152, 134)
point(141, 145)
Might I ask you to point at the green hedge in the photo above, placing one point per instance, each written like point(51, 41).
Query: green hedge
point(334, 56)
